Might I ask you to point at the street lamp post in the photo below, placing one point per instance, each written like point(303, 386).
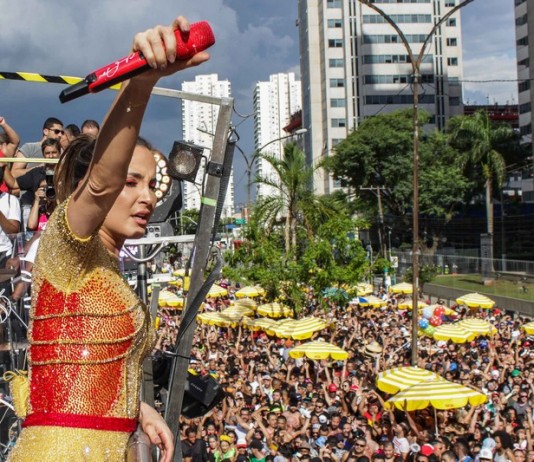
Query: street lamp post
point(249, 160)
point(416, 74)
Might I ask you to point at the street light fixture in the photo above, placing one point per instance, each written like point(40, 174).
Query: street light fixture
point(249, 160)
point(415, 61)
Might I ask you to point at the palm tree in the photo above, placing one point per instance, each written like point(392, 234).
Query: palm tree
point(481, 141)
point(293, 198)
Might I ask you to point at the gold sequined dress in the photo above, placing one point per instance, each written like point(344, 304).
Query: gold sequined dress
point(88, 336)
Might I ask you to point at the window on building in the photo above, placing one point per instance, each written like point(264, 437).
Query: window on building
point(335, 23)
point(337, 83)
point(450, 3)
point(333, 3)
point(524, 86)
point(337, 123)
point(452, 61)
point(335, 43)
point(452, 42)
point(525, 130)
point(524, 108)
point(454, 100)
point(524, 62)
point(338, 102)
point(451, 22)
point(335, 62)
point(521, 20)
point(522, 41)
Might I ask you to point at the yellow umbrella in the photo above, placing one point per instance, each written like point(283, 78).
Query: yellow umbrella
point(478, 326)
point(475, 300)
point(217, 291)
point(408, 304)
point(264, 324)
point(371, 300)
point(236, 309)
point(245, 302)
point(300, 329)
point(401, 288)
point(274, 310)
point(319, 350)
point(250, 292)
point(400, 378)
point(454, 332)
point(170, 300)
point(529, 328)
point(220, 319)
point(440, 394)
point(363, 288)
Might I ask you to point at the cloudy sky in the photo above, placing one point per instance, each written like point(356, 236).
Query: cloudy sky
point(255, 38)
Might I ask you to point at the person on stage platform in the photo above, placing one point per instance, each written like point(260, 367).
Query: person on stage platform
point(89, 332)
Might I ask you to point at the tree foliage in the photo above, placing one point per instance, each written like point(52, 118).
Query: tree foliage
point(331, 257)
point(379, 153)
point(482, 145)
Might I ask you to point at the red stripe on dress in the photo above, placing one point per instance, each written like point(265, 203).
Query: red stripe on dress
point(115, 424)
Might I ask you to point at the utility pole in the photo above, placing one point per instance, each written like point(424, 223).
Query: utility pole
point(416, 79)
point(381, 233)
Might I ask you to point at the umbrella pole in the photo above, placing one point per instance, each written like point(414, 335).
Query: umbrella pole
point(436, 421)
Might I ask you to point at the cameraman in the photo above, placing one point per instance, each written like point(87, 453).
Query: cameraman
point(44, 203)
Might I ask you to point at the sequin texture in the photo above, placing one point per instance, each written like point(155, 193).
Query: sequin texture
point(88, 335)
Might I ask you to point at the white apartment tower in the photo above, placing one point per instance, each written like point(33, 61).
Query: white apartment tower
point(199, 122)
point(354, 65)
point(274, 103)
point(524, 22)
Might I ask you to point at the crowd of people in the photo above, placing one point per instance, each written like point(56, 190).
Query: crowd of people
point(284, 409)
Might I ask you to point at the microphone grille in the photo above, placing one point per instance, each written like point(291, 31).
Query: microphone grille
point(200, 38)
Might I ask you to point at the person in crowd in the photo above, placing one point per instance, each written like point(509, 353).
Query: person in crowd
point(36, 182)
point(90, 127)
point(52, 128)
point(86, 326)
point(9, 143)
point(71, 132)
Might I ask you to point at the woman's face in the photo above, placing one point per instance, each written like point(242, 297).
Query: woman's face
point(212, 443)
point(519, 456)
point(129, 215)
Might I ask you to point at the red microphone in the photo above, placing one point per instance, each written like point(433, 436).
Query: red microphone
point(199, 39)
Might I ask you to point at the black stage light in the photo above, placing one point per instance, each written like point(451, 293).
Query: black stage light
point(184, 161)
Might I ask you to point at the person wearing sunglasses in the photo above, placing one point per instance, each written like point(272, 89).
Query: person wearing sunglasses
point(52, 128)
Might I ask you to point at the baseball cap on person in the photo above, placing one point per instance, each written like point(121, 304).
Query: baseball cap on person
point(332, 388)
point(427, 449)
point(515, 373)
point(485, 454)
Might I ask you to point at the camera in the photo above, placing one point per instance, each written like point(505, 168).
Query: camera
point(50, 192)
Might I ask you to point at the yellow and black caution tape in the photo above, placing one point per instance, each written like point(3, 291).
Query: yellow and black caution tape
point(28, 160)
point(41, 78)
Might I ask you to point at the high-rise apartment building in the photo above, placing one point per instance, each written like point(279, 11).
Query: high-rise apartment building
point(274, 103)
point(199, 122)
point(354, 65)
point(524, 22)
